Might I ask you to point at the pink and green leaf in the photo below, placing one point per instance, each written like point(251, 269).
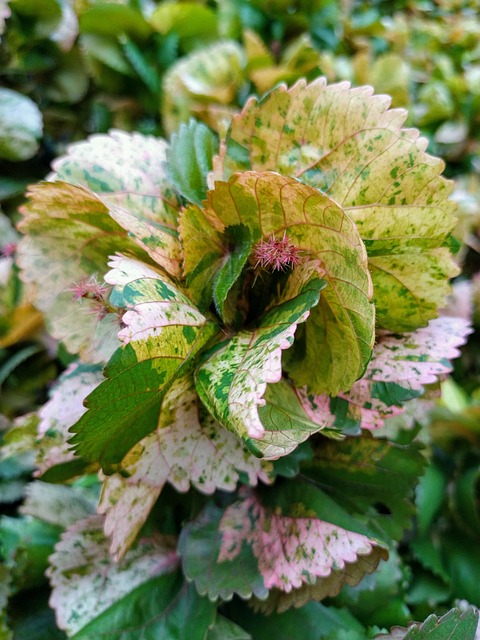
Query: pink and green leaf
point(62, 410)
point(144, 594)
point(400, 367)
point(162, 336)
point(188, 448)
point(293, 547)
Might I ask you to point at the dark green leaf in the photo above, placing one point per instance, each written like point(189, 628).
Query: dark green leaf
point(190, 160)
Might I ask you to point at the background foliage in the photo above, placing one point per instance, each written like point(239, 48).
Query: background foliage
point(73, 68)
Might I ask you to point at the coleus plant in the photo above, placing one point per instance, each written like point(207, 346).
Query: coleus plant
point(245, 312)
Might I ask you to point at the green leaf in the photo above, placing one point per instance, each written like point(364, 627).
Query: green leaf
point(225, 293)
point(371, 478)
point(190, 160)
point(336, 342)
point(70, 236)
point(142, 594)
point(231, 381)
point(347, 143)
point(186, 19)
point(20, 126)
point(126, 172)
point(225, 629)
point(314, 620)
point(111, 19)
point(163, 334)
point(454, 625)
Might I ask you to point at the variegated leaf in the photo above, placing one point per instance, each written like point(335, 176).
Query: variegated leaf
point(297, 551)
point(163, 333)
point(338, 336)
point(87, 584)
point(126, 171)
point(70, 236)
point(62, 410)
point(401, 365)
point(347, 143)
point(232, 379)
point(186, 449)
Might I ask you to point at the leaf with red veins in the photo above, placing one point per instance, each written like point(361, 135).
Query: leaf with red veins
point(86, 582)
point(62, 410)
point(400, 367)
point(186, 450)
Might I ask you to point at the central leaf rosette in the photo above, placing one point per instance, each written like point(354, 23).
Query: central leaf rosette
point(337, 338)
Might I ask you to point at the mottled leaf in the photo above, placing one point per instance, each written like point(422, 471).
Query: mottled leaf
point(347, 143)
point(20, 125)
point(62, 410)
point(400, 367)
point(337, 339)
point(187, 449)
point(299, 556)
point(232, 380)
point(94, 596)
point(70, 235)
point(57, 504)
point(211, 74)
point(190, 160)
point(372, 479)
point(162, 335)
point(126, 171)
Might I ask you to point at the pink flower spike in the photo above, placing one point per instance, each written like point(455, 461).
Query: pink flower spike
point(276, 254)
point(9, 249)
point(89, 288)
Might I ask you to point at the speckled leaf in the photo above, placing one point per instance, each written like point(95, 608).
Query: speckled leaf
point(62, 410)
point(371, 478)
point(347, 143)
point(94, 597)
point(70, 235)
point(126, 171)
point(190, 160)
point(204, 249)
point(162, 335)
point(338, 337)
point(286, 422)
point(58, 504)
point(401, 365)
point(211, 74)
point(188, 448)
point(296, 551)
point(233, 378)
point(454, 625)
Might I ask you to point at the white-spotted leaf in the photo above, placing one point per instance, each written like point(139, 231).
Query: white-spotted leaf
point(188, 448)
